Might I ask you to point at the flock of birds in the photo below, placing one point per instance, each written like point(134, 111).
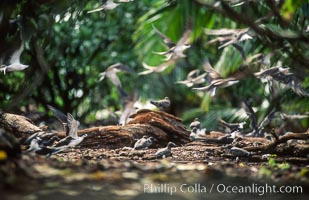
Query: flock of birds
point(48, 144)
point(43, 143)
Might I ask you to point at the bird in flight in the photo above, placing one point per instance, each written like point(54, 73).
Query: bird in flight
point(193, 78)
point(229, 37)
point(215, 79)
point(14, 64)
point(111, 74)
point(109, 5)
point(175, 50)
point(283, 75)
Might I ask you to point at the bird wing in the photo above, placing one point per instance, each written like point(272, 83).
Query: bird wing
point(73, 126)
point(157, 69)
point(210, 70)
point(185, 38)
point(251, 114)
point(16, 55)
point(222, 32)
point(241, 50)
point(121, 67)
point(64, 142)
point(62, 118)
point(267, 119)
point(166, 39)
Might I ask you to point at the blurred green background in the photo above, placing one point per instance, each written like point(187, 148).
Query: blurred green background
point(67, 48)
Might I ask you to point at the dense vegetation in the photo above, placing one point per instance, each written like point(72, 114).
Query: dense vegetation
point(66, 48)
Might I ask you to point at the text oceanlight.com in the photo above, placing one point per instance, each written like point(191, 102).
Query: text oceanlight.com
point(259, 189)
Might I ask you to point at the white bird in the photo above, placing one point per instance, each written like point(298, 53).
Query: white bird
point(196, 123)
point(143, 143)
point(162, 104)
point(108, 5)
point(14, 64)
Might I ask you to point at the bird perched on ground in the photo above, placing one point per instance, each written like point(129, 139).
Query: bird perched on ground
point(111, 74)
point(229, 37)
point(14, 64)
point(143, 143)
point(165, 152)
point(162, 104)
point(196, 123)
point(193, 78)
point(239, 152)
point(232, 126)
point(197, 133)
point(215, 79)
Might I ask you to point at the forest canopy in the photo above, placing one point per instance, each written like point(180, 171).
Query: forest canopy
point(67, 44)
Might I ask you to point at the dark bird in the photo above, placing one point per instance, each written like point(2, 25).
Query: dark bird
point(44, 137)
point(196, 123)
point(61, 117)
point(267, 119)
point(193, 78)
point(283, 75)
point(41, 150)
point(163, 104)
point(143, 143)
point(229, 37)
point(111, 74)
point(252, 117)
point(165, 152)
point(232, 126)
point(14, 64)
point(216, 80)
point(257, 128)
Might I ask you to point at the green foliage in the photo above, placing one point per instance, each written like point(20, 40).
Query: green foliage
point(77, 46)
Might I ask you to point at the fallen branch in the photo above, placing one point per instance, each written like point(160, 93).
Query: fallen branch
point(268, 148)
